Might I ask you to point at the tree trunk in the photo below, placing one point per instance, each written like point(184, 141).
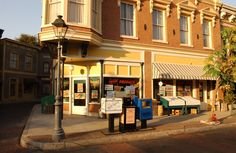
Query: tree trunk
point(215, 95)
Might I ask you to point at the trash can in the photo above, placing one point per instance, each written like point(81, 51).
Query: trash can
point(47, 104)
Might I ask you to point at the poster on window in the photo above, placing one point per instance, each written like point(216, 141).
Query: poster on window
point(110, 94)
point(79, 95)
point(109, 87)
point(94, 94)
point(80, 87)
point(117, 88)
point(66, 93)
point(130, 89)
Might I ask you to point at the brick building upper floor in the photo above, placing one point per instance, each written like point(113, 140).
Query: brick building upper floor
point(180, 24)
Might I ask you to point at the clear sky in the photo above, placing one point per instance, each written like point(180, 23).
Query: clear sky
point(24, 16)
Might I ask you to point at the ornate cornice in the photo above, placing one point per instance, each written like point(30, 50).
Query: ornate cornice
point(186, 7)
point(163, 4)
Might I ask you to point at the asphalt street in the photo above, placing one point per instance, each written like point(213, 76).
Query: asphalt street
point(217, 141)
point(14, 116)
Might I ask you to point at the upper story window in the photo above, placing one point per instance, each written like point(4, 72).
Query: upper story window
point(45, 67)
point(54, 10)
point(158, 25)
point(14, 60)
point(96, 14)
point(208, 21)
point(76, 11)
point(184, 30)
point(28, 63)
point(127, 19)
point(206, 33)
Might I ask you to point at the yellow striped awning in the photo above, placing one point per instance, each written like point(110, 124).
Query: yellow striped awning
point(179, 71)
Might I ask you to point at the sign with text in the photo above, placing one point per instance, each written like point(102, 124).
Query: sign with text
point(111, 105)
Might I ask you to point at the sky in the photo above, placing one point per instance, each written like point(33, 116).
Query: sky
point(24, 16)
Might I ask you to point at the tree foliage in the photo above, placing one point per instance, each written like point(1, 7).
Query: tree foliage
point(221, 64)
point(29, 39)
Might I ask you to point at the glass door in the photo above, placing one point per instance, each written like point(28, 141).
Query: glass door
point(79, 104)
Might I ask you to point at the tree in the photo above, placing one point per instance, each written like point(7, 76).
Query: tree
point(221, 65)
point(29, 39)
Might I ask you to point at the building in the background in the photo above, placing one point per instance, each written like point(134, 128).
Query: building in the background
point(228, 16)
point(24, 72)
point(129, 47)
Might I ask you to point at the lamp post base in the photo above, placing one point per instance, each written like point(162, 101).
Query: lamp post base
point(58, 135)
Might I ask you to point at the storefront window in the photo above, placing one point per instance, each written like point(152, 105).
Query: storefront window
point(165, 90)
point(121, 87)
point(94, 83)
point(184, 87)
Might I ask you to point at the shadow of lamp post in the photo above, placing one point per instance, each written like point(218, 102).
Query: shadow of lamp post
point(60, 29)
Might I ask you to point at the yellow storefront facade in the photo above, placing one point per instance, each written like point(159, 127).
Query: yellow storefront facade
point(102, 73)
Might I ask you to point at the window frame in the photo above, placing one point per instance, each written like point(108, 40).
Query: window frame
point(50, 18)
point(189, 32)
point(208, 35)
point(133, 21)
point(75, 2)
point(28, 64)
point(163, 26)
point(98, 11)
point(14, 61)
point(48, 68)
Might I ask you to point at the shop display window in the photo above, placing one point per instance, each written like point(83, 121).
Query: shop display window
point(183, 87)
point(94, 83)
point(121, 87)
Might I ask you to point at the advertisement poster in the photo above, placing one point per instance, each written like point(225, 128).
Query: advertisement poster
point(130, 115)
point(117, 88)
point(94, 94)
point(80, 87)
point(80, 96)
point(130, 90)
point(66, 93)
point(109, 87)
point(110, 94)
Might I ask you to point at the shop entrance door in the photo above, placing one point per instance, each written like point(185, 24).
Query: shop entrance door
point(79, 104)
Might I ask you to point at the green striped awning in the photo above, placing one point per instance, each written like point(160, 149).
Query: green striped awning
point(179, 71)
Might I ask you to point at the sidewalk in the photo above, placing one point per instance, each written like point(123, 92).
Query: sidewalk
point(84, 130)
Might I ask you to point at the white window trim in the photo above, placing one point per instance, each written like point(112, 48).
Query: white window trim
point(163, 4)
point(209, 14)
point(99, 30)
point(164, 28)
point(190, 43)
point(85, 17)
point(210, 34)
point(134, 22)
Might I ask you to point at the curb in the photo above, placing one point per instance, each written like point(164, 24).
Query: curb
point(126, 137)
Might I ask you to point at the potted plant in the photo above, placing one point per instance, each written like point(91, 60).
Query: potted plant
point(229, 99)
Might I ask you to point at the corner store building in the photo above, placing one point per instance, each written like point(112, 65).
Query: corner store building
point(132, 46)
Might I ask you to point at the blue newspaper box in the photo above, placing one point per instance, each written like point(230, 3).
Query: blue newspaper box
point(144, 108)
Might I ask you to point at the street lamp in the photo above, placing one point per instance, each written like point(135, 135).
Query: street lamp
point(60, 29)
point(1, 32)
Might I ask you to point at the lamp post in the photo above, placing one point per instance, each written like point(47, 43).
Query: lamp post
point(60, 29)
point(1, 32)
